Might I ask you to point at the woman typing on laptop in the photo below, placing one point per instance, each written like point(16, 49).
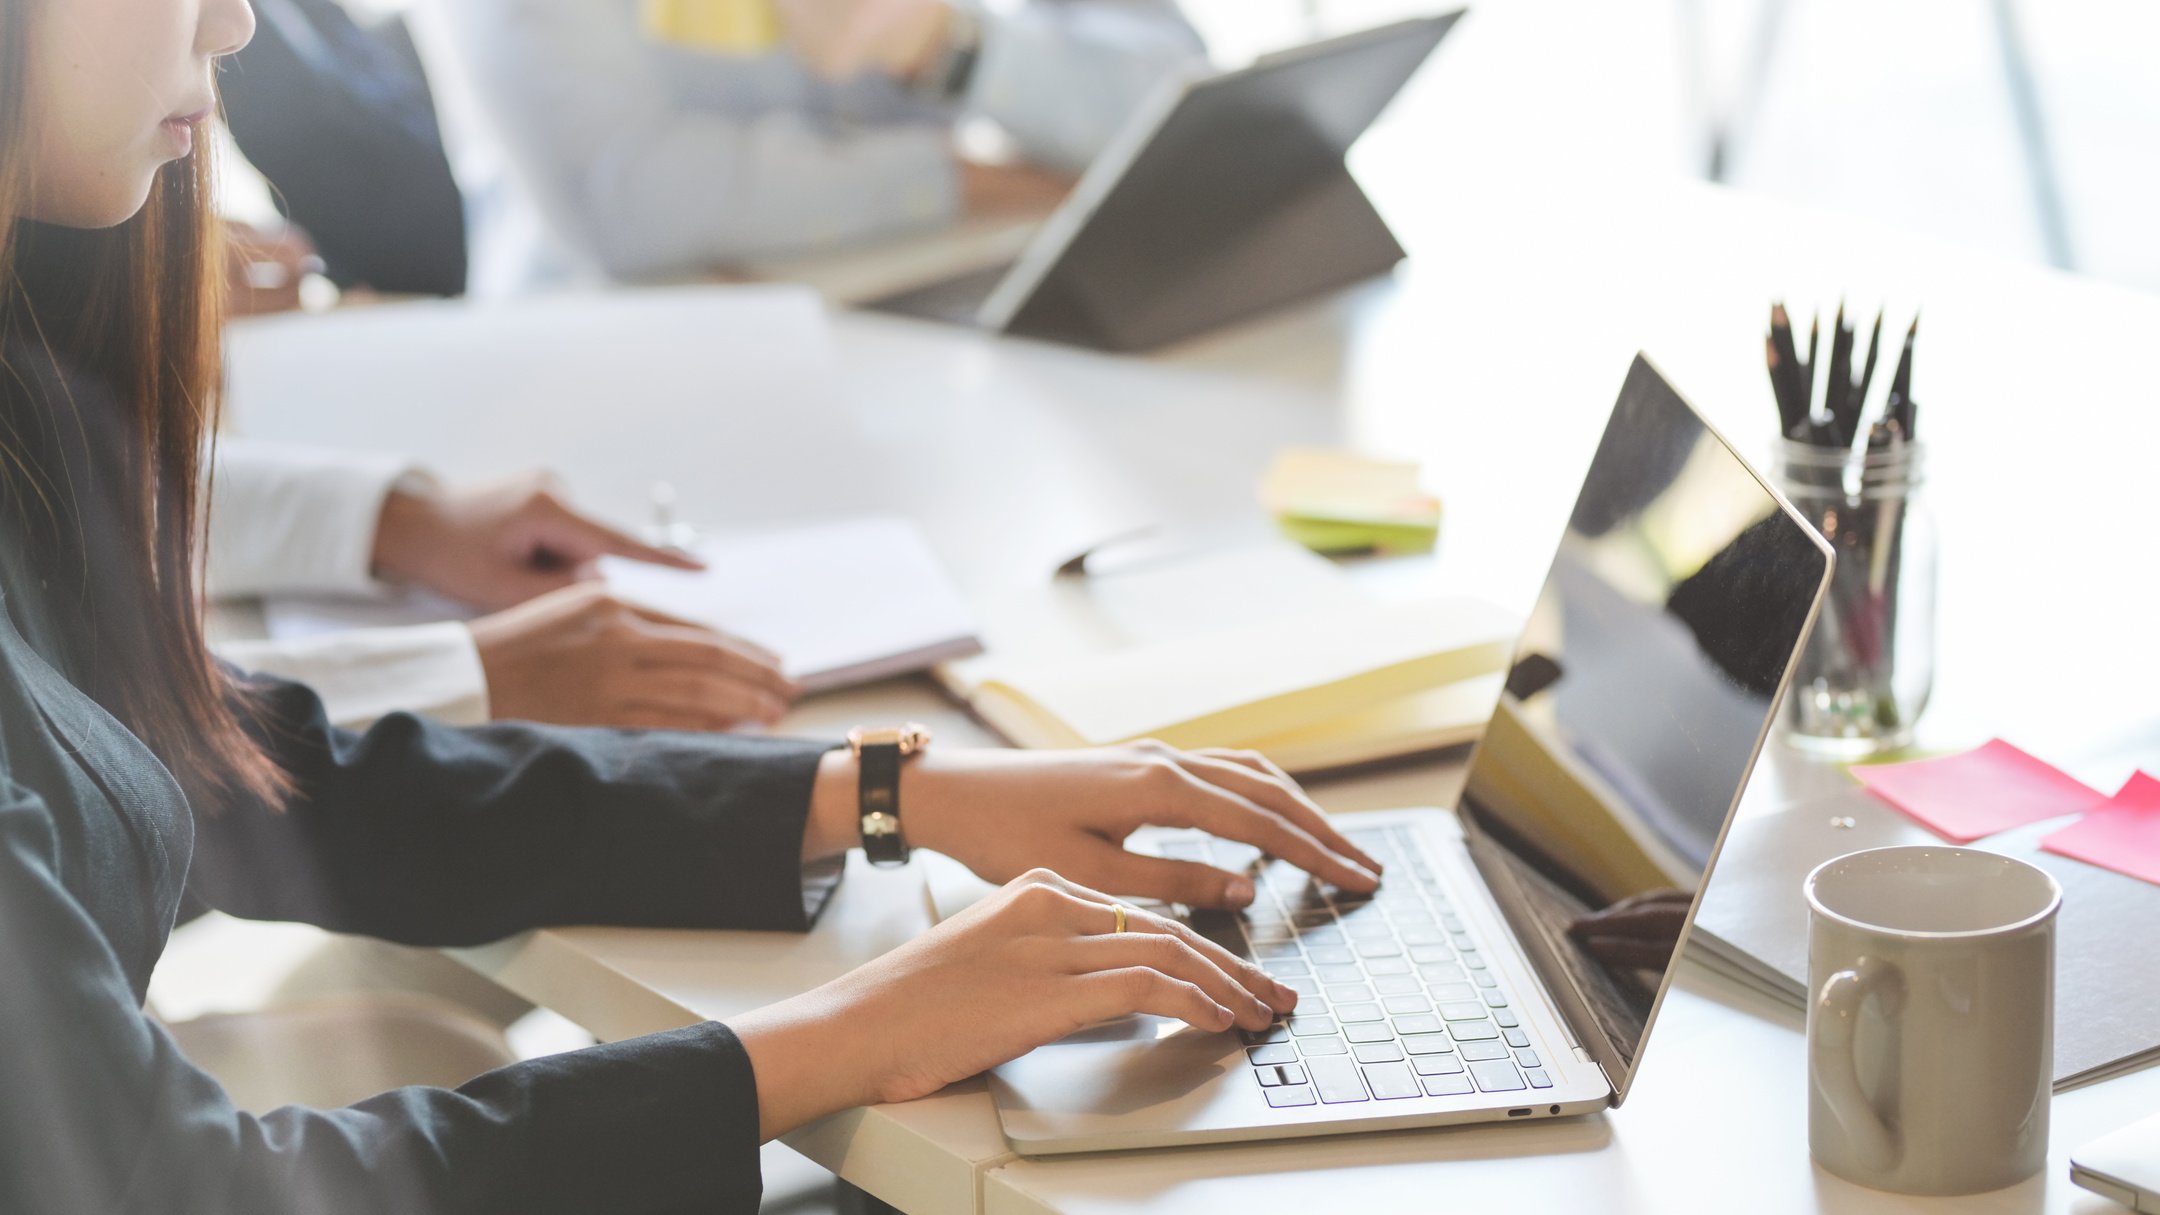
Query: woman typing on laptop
point(134, 771)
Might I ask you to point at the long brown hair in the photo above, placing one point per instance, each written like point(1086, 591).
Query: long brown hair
point(133, 310)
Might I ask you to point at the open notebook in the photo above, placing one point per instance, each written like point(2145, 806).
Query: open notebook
point(1269, 648)
point(799, 591)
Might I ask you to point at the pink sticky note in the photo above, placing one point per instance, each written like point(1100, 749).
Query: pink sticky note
point(1964, 797)
point(2123, 835)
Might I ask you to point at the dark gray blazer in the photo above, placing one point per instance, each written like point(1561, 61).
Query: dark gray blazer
point(412, 832)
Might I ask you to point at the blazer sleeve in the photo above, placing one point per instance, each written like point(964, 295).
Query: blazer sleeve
point(429, 835)
point(99, 1112)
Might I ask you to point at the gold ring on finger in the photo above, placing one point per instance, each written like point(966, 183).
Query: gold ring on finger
point(1118, 909)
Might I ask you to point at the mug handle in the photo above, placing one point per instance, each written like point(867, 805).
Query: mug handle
point(1831, 1059)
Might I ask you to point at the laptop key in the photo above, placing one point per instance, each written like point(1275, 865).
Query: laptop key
point(1349, 993)
point(1495, 999)
point(1284, 1073)
point(1431, 954)
point(1377, 1052)
point(1277, 1032)
point(1338, 1080)
point(1483, 1052)
point(1537, 1077)
point(1406, 1004)
point(1421, 935)
point(1375, 1031)
point(1339, 974)
point(1392, 1081)
point(1387, 966)
point(1304, 985)
point(1416, 1023)
point(1273, 1052)
point(1437, 1065)
point(1303, 1027)
point(1496, 1076)
point(1507, 1020)
point(1397, 985)
point(1461, 1031)
point(1378, 949)
point(1358, 1012)
point(1284, 1098)
point(1427, 1044)
point(1515, 1037)
point(1528, 1058)
point(1464, 1011)
point(1329, 955)
point(1314, 1048)
point(1274, 951)
point(1454, 993)
point(1441, 1086)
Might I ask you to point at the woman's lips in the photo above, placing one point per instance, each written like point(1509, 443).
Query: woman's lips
point(180, 130)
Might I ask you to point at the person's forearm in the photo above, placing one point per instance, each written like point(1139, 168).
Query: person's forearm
point(933, 801)
point(806, 1061)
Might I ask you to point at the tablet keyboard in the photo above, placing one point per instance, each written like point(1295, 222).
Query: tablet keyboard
point(1395, 998)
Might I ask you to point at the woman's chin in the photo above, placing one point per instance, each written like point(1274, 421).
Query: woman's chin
point(105, 203)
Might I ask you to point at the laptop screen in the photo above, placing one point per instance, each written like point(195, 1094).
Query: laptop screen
point(1635, 706)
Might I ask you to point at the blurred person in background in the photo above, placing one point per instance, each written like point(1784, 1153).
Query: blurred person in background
point(651, 155)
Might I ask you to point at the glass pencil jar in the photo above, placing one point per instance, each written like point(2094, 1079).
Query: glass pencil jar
point(1865, 677)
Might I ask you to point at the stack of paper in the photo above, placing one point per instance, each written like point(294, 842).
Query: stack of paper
point(1268, 648)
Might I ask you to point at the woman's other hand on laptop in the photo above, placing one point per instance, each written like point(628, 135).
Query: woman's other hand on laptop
point(1001, 813)
point(1037, 961)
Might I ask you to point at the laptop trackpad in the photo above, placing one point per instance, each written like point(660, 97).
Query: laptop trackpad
point(1130, 1064)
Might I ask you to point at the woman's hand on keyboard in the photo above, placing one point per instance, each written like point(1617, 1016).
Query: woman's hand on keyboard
point(1033, 963)
point(1001, 813)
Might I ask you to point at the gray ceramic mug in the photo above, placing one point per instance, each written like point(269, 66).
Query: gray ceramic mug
point(1931, 1021)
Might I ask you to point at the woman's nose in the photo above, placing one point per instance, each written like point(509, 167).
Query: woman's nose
point(224, 26)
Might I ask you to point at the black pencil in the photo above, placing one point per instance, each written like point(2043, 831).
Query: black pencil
point(1901, 382)
point(1867, 366)
point(1785, 375)
point(1837, 394)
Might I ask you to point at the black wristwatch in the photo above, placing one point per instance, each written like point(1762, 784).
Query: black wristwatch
point(878, 756)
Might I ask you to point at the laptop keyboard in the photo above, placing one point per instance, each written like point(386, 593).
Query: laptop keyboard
point(1395, 999)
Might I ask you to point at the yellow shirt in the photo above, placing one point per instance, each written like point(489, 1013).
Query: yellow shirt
point(735, 27)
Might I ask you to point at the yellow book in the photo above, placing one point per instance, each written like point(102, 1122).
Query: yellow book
point(1192, 655)
point(729, 27)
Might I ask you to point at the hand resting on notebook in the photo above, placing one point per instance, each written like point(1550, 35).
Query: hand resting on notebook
point(559, 647)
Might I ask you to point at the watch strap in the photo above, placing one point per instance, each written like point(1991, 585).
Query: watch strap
point(878, 802)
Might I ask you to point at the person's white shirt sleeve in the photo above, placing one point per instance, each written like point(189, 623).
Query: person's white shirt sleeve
point(295, 520)
point(1062, 76)
point(287, 520)
point(650, 175)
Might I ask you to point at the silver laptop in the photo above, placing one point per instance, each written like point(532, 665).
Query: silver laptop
point(1474, 986)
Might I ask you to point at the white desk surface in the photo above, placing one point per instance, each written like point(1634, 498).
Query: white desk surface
point(1492, 357)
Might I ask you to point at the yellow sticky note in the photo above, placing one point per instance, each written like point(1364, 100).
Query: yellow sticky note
point(728, 27)
point(1335, 501)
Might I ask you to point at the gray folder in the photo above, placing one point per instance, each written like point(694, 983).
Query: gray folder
point(1754, 924)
